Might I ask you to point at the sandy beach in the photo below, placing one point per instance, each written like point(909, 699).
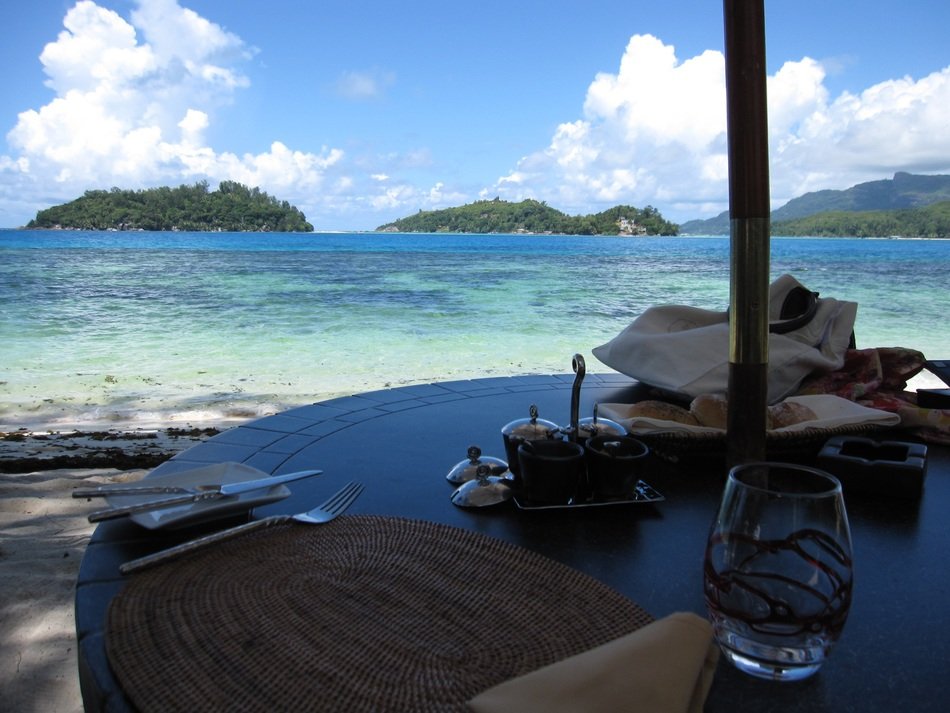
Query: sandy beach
point(43, 534)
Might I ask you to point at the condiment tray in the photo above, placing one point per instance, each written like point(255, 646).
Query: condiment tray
point(644, 493)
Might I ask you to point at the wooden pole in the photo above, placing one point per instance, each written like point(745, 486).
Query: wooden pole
point(747, 125)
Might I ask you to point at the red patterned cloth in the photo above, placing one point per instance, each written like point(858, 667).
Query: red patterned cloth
point(877, 378)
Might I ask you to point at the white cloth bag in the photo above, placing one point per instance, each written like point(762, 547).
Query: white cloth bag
point(685, 350)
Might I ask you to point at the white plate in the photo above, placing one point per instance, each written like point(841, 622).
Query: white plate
point(204, 510)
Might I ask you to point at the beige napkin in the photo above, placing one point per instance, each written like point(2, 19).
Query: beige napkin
point(830, 412)
point(665, 667)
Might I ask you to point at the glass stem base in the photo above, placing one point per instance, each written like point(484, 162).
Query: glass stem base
point(769, 670)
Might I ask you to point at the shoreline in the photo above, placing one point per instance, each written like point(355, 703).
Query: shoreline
point(127, 445)
point(25, 451)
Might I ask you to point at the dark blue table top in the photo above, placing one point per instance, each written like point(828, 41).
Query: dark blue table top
point(401, 442)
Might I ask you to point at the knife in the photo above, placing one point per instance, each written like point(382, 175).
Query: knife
point(145, 488)
point(193, 494)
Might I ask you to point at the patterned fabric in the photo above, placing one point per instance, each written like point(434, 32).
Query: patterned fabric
point(877, 378)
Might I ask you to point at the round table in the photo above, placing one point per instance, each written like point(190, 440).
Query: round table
point(400, 443)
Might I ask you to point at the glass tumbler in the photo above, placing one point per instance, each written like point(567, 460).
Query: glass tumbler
point(777, 574)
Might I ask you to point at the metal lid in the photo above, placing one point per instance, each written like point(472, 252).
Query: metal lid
point(532, 428)
point(467, 470)
point(485, 490)
point(593, 426)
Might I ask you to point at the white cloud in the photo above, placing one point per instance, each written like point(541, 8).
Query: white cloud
point(655, 133)
point(439, 197)
point(368, 84)
point(897, 125)
point(133, 102)
point(404, 195)
point(646, 130)
point(97, 49)
point(179, 33)
point(192, 125)
point(280, 167)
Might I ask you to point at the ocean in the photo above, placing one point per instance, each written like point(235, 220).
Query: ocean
point(142, 329)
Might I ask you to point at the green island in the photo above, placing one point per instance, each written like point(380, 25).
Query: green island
point(232, 208)
point(907, 206)
point(932, 221)
point(531, 216)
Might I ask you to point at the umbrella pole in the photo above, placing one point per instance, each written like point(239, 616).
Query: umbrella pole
point(747, 125)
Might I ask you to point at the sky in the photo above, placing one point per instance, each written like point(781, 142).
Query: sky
point(360, 112)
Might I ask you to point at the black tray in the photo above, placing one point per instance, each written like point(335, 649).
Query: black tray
point(644, 493)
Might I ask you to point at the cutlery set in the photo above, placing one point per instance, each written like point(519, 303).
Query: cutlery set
point(183, 495)
point(323, 513)
point(180, 495)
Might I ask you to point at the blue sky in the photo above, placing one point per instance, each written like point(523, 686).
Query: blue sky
point(363, 112)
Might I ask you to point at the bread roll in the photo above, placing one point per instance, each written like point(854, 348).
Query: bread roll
point(788, 413)
point(710, 410)
point(660, 410)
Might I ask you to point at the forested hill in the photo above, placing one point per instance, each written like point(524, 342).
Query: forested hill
point(531, 216)
point(233, 207)
point(905, 190)
point(932, 221)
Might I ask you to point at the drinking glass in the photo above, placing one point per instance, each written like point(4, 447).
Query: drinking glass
point(777, 573)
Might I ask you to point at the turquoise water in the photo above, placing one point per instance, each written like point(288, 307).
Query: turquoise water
point(147, 328)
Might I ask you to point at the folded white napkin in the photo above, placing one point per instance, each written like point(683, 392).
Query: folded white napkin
point(664, 667)
point(685, 349)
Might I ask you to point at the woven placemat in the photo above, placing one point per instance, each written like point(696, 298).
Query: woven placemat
point(365, 613)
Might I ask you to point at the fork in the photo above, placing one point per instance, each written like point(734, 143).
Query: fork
point(334, 505)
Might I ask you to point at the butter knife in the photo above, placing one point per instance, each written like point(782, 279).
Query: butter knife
point(194, 494)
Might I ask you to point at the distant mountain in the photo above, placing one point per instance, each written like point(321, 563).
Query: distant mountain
point(931, 221)
point(711, 226)
point(905, 190)
point(531, 216)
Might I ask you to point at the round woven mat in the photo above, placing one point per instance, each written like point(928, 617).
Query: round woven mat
point(365, 613)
